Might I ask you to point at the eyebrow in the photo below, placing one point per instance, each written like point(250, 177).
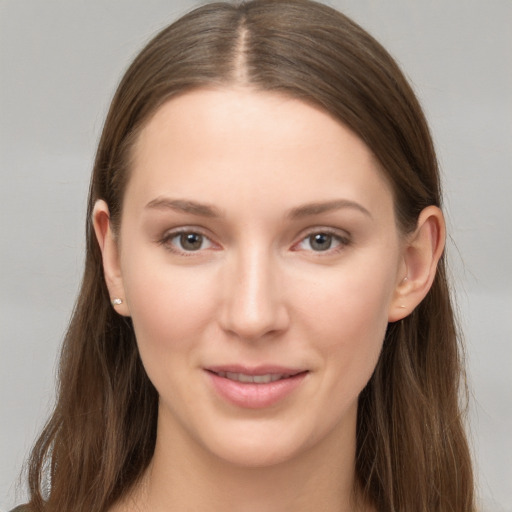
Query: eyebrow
point(324, 207)
point(184, 205)
point(205, 210)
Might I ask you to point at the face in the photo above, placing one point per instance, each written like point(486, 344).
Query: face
point(259, 259)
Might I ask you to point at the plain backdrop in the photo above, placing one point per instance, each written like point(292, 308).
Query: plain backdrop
point(60, 62)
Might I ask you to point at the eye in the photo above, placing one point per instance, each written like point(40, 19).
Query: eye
point(322, 241)
point(187, 241)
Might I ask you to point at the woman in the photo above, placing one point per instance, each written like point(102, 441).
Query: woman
point(264, 321)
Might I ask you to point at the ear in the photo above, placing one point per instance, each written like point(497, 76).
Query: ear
point(110, 255)
point(421, 254)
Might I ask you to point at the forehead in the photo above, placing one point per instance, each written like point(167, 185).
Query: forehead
point(220, 112)
point(217, 142)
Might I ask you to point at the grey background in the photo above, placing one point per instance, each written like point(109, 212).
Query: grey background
point(59, 64)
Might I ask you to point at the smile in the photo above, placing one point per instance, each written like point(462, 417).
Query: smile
point(255, 388)
point(256, 379)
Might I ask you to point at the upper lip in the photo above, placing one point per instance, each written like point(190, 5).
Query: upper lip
point(266, 369)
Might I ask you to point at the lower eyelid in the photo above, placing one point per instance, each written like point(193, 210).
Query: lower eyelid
point(169, 236)
point(167, 241)
point(342, 240)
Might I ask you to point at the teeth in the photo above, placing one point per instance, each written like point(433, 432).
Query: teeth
point(256, 379)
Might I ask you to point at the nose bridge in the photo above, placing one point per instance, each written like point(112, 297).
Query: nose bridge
point(253, 303)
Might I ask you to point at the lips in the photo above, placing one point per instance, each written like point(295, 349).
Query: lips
point(255, 388)
point(255, 379)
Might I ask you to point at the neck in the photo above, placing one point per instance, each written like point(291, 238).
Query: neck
point(185, 476)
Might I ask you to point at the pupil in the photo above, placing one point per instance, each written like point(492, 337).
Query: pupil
point(191, 241)
point(321, 241)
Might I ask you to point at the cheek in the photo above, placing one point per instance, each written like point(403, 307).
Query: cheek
point(169, 306)
point(354, 329)
point(348, 315)
point(349, 301)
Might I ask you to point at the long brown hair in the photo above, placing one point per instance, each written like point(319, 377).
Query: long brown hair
point(412, 453)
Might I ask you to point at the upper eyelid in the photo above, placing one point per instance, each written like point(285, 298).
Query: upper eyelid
point(339, 233)
point(172, 233)
point(344, 238)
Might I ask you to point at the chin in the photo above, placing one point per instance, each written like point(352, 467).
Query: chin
point(255, 455)
point(263, 444)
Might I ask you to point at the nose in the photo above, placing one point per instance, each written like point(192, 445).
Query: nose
point(253, 305)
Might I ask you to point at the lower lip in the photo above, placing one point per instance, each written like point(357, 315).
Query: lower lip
point(255, 396)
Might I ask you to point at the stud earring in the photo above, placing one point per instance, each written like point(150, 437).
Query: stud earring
point(116, 301)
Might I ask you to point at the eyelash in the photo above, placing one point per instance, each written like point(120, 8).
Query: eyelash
point(342, 241)
point(171, 235)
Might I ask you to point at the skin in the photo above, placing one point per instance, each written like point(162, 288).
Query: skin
point(256, 289)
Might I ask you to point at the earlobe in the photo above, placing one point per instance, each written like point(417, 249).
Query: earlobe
point(421, 254)
point(110, 256)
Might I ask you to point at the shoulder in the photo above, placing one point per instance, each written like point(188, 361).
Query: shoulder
point(21, 508)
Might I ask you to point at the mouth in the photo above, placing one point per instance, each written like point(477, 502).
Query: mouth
point(255, 388)
point(264, 378)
